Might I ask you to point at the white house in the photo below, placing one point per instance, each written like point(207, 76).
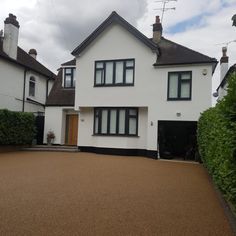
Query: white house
point(25, 82)
point(135, 95)
point(225, 72)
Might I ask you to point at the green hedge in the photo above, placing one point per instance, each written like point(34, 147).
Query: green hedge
point(16, 128)
point(217, 142)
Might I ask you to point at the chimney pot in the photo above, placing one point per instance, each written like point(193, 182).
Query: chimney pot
point(223, 63)
point(33, 53)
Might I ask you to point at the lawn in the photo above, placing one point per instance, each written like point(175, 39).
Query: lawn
point(51, 193)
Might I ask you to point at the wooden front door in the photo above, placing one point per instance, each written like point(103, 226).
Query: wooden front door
point(71, 129)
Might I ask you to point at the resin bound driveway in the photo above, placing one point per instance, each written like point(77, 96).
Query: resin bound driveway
point(46, 193)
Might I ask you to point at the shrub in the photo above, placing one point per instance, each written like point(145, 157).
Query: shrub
point(217, 142)
point(16, 128)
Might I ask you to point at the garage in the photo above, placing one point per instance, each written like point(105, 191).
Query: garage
point(177, 139)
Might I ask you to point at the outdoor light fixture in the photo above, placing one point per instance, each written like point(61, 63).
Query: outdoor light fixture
point(178, 114)
point(204, 72)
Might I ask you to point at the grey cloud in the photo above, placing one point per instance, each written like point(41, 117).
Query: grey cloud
point(68, 23)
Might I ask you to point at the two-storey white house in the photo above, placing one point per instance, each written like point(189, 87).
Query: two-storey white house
point(25, 82)
point(138, 96)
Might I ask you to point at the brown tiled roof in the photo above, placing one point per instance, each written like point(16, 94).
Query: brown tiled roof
point(60, 96)
point(172, 53)
point(28, 62)
point(70, 63)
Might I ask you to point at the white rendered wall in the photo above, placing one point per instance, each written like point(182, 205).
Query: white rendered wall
point(149, 90)
point(55, 120)
point(11, 89)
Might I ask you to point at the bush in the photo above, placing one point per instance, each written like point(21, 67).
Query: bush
point(217, 142)
point(16, 128)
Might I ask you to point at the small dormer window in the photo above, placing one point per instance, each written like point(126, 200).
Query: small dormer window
point(32, 86)
point(69, 77)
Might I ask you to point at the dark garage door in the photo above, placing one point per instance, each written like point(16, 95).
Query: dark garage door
point(177, 139)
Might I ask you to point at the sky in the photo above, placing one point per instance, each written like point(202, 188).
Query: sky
point(55, 27)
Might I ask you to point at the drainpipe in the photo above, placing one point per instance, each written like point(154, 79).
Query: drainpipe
point(23, 101)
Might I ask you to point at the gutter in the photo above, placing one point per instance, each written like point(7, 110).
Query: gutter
point(23, 101)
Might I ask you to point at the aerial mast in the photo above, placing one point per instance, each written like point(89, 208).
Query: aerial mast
point(163, 9)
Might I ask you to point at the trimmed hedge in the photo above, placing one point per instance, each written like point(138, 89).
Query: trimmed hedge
point(217, 142)
point(16, 128)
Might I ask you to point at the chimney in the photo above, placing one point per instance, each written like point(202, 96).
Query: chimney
point(11, 32)
point(33, 53)
point(223, 63)
point(157, 30)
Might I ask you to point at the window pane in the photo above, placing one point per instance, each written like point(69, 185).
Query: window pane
point(96, 125)
point(73, 77)
point(185, 90)
point(119, 72)
point(99, 65)
point(130, 63)
point(112, 121)
point(132, 112)
point(129, 76)
point(122, 122)
point(185, 76)
point(67, 80)
point(31, 88)
point(104, 121)
point(132, 125)
point(173, 86)
point(109, 72)
point(99, 77)
point(68, 70)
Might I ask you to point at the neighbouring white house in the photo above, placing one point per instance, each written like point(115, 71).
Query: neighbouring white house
point(225, 73)
point(25, 82)
point(133, 95)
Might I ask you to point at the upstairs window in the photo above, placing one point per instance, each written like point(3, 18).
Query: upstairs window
point(179, 85)
point(116, 121)
point(69, 77)
point(114, 73)
point(32, 86)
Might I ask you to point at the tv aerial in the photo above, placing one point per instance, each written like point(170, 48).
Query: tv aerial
point(163, 9)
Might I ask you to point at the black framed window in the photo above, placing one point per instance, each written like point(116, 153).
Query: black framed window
point(114, 73)
point(32, 83)
point(69, 77)
point(116, 121)
point(179, 85)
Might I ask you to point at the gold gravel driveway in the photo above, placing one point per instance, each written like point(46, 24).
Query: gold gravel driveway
point(52, 193)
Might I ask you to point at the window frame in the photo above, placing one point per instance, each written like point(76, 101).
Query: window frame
point(71, 74)
point(180, 82)
point(127, 118)
point(114, 84)
point(33, 81)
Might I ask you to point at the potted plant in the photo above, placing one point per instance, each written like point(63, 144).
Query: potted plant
point(50, 137)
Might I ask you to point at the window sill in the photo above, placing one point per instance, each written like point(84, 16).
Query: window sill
point(114, 85)
point(179, 99)
point(116, 135)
